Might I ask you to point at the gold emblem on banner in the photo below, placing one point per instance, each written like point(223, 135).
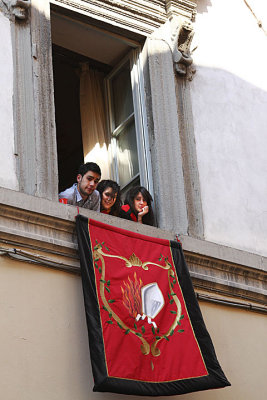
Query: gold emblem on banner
point(137, 298)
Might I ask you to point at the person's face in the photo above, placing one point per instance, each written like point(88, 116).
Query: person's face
point(108, 198)
point(87, 184)
point(139, 202)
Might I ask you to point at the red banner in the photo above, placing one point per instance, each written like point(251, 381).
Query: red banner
point(140, 319)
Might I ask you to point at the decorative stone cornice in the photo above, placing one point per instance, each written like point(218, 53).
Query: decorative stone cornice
point(18, 8)
point(184, 8)
point(142, 16)
point(40, 231)
point(226, 278)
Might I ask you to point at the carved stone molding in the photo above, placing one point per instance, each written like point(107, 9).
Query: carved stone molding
point(185, 8)
point(18, 8)
point(142, 16)
point(226, 278)
point(182, 37)
point(41, 231)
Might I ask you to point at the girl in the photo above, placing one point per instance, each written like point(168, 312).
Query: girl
point(137, 206)
point(110, 197)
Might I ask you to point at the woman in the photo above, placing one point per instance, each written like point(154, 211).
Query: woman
point(110, 197)
point(137, 206)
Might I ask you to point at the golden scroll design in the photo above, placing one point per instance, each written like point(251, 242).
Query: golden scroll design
point(133, 260)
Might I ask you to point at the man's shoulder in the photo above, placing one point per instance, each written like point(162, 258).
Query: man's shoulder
point(126, 213)
point(73, 197)
point(93, 201)
point(93, 198)
point(68, 193)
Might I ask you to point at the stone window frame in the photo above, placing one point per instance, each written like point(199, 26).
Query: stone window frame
point(34, 103)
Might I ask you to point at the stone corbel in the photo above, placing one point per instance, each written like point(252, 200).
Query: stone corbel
point(18, 8)
point(182, 37)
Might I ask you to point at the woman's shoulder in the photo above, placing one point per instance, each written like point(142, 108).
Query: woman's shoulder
point(125, 208)
point(126, 213)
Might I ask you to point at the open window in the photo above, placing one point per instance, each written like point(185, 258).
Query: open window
point(100, 114)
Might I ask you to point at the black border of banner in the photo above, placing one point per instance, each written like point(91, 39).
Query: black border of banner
point(104, 383)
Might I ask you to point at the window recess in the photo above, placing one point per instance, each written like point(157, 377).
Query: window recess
point(85, 56)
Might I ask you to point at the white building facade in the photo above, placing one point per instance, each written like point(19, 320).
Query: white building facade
point(184, 91)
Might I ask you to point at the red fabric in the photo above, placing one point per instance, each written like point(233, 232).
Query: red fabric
point(180, 356)
point(126, 208)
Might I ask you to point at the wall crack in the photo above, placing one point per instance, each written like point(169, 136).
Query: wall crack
point(259, 22)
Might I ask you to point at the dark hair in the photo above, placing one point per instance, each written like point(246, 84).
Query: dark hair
point(148, 218)
point(102, 186)
point(89, 166)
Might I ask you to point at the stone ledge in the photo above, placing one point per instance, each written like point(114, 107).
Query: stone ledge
point(139, 16)
point(45, 230)
point(223, 252)
point(227, 278)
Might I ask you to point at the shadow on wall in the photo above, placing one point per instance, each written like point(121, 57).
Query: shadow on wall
point(230, 125)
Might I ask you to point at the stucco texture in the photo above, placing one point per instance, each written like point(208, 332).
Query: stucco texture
point(229, 99)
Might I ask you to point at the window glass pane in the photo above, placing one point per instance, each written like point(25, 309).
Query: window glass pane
point(127, 154)
point(122, 95)
point(133, 183)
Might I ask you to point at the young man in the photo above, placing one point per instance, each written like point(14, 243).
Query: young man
point(83, 193)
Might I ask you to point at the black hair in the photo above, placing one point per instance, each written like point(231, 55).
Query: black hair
point(148, 218)
point(89, 166)
point(102, 186)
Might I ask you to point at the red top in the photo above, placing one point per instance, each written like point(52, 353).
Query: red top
point(127, 213)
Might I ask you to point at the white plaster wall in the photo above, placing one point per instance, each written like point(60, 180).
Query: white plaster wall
point(229, 99)
point(8, 177)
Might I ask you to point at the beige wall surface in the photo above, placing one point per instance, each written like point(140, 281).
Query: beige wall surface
point(239, 338)
point(44, 347)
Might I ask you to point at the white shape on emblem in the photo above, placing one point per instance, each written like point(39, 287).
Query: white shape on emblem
point(152, 302)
